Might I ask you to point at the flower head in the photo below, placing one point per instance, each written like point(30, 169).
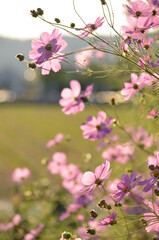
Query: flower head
point(152, 218)
point(138, 9)
point(58, 138)
point(89, 28)
point(20, 174)
point(72, 99)
point(46, 52)
point(91, 180)
point(126, 185)
point(97, 128)
point(110, 220)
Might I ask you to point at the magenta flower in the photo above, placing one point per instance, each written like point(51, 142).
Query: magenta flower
point(139, 9)
point(126, 185)
point(97, 128)
point(137, 83)
point(89, 28)
point(142, 138)
point(72, 99)
point(46, 52)
point(153, 114)
point(153, 165)
point(58, 138)
point(110, 220)
point(152, 217)
point(91, 180)
point(20, 174)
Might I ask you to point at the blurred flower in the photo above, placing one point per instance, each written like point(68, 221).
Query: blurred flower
point(56, 164)
point(20, 174)
point(33, 233)
point(110, 220)
point(58, 138)
point(72, 99)
point(83, 58)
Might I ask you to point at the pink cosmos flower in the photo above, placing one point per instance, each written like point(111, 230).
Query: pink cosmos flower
point(70, 171)
point(121, 153)
point(33, 233)
point(57, 163)
point(136, 30)
point(15, 221)
point(89, 28)
point(153, 165)
point(153, 114)
point(151, 218)
point(46, 52)
point(142, 138)
point(20, 174)
point(139, 9)
point(97, 128)
point(58, 138)
point(83, 58)
point(91, 180)
point(110, 220)
point(126, 185)
point(137, 83)
point(72, 99)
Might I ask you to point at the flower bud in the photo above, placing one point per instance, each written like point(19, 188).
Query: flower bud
point(91, 231)
point(72, 25)
point(33, 13)
point(67, 235)
point(20, 57)
point(103, 2)
point(40, 11)
point(102, 204)
point(93, 213)
point(57, 20)
point(112, 100)
point(156, 192)
point(31, 65)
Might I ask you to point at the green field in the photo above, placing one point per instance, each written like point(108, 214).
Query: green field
point(24, 131)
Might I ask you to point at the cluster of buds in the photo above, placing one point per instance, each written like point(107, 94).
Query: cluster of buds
point(38, 12)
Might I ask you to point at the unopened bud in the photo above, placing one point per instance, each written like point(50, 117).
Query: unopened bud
point(31, 65)
point(67, 235)
point(57, 20)
point(20, 57)
point(33, 13)
point(93, 213)
point(103, 2)
point(72, 25)
point(102, 204)
point(112, 100)
point(91, 231)
point(151, 167)
point(156, 192)
point(40, 11)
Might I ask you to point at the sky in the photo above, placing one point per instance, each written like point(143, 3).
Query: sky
point(16, 21)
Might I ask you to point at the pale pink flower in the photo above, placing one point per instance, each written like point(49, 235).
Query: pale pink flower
point(58, 138)
point(153, 114)
point(33, 233)
point(139, 9)
point(15, 221)
point(91, 180)
point(89, 28)
point(46, 52)
point(20, 174)
point(97, 128)
point(151, 217)
point(142, 138)
point(84, 58)
point(56, 164)
point(72, 99)
point(137, 83)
